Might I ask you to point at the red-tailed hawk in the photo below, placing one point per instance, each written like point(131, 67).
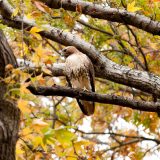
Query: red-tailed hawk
point(79, 72)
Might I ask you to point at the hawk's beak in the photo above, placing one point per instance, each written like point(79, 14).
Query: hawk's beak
point(61, 53)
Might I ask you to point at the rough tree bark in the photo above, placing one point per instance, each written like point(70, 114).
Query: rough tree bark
point(91, 96)
point(108, 13)
point(105, 68)
point(9, 113)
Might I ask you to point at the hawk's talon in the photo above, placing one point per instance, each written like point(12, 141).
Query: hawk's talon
point(85, 90)
point(79, 73)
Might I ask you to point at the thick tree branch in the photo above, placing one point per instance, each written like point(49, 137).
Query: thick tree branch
point(90, 96)
point(104, 67)
point(107, 13)
point(57, 69)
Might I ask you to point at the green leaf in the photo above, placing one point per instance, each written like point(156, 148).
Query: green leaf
point(65, 137)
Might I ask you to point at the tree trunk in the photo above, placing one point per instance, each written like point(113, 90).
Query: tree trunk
point(9, 113)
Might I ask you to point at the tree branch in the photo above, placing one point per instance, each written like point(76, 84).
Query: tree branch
point(125, 49)
point(91, 96)
point(110, 14)
point(139, 47)
point(123, 144)
point(104, 67)
point(120, 135)
point(94, 28)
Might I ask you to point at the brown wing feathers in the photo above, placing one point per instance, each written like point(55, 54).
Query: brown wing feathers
point(80, 74)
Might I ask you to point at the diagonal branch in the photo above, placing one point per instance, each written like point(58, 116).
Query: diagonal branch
point(94, 28)
point(123, 144)
point(125, 49)
point(91, 96)
point(139, 47)
point(110, 14)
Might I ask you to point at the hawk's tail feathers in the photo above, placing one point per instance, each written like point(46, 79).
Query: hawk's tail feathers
point(87, 107)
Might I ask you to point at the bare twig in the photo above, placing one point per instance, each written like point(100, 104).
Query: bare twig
point(54, 111)
point(120, 135)
point(94, 28)
point(126, 50)
point(139, 47)
point(122, 145)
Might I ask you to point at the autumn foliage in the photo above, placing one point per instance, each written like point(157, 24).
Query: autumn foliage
point(53, 127)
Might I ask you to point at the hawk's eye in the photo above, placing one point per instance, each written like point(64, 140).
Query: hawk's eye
point(64, 50)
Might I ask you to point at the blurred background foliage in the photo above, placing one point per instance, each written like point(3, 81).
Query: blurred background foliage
point(54, 127)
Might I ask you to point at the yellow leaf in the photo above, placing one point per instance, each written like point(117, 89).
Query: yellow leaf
point(55, 14)
point(22, 44)
point(24, 77)
point(40, 79)
point(26, 131)
point(42, 7)
point(59, 150)
point(71, 158)
point(50, 82)
point(19, 149)
point(38, 156)
point(69, 21)
point(17, 72)
point(38, 36)
point(132, 8)
point(23, 106)
point(35, 30)
point(36, 14)
point(43, 55)
point(39, 51)
point(15, 12)
point(29, 16)
point(9, 80)
point(80, 145)
point(38, 124)
point(38, 141)
point(65, 137)
point(38, 54)
point(47, 71)
point(23, 88)
point(35, 59)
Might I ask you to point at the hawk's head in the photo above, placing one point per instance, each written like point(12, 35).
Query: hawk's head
point(67, 51)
